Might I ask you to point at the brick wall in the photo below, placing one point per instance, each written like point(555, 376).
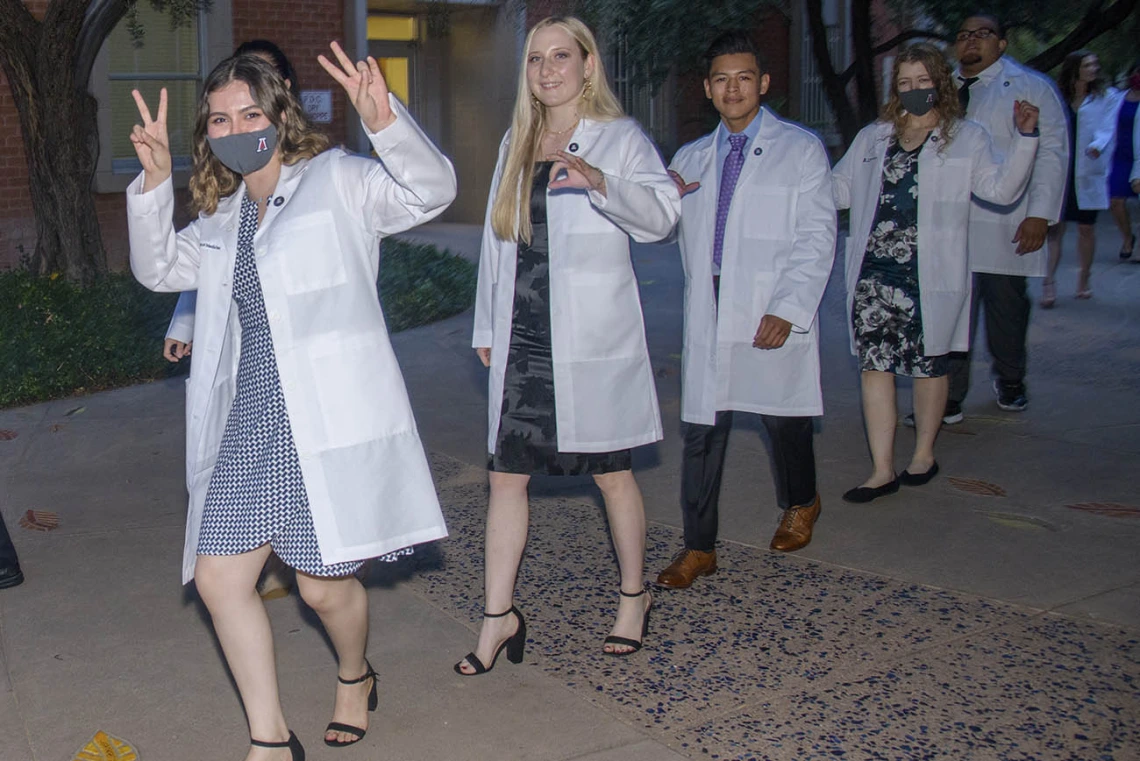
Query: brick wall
point(301, 29)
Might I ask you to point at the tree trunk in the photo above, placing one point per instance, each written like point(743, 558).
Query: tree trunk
point(865, 90)
point(833, 84)
point(60, 135)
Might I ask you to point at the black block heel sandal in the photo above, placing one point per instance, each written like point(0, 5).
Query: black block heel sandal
point(293, 744)
point(514, 646)
point(373, 700)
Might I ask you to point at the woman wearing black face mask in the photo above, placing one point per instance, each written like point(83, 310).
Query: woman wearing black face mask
point(300, 438)
point(908, 179)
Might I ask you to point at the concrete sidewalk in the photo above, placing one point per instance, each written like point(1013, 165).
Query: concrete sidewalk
point(994, 614)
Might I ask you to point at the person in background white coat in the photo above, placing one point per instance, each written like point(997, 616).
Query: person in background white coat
point(1006, 242)
point(1091, 107)
point(757, 238)
point(908, 180)
point(300, 436)
point(558, 319)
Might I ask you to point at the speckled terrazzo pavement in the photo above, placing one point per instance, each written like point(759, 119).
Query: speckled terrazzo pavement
point(777, 657)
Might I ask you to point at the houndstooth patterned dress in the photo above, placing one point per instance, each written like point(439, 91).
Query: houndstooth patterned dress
point(257, 493)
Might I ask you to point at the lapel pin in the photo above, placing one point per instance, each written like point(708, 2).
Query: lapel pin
point(758, 151)
point(573, 147)
point(1006, 84)
point(278, 200)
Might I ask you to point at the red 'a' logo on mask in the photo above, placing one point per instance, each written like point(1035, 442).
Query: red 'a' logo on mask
point(261, 146)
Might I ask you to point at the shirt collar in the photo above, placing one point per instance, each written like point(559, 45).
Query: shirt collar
point(986, 75)
point(751, 131)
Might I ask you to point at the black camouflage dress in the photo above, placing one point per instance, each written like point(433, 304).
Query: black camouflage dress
point(887, 312)
point(527, 441)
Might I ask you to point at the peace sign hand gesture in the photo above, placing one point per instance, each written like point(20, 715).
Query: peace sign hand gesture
point(151, 142)
point(365, 86)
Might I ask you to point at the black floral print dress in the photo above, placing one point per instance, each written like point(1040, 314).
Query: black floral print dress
point(527, 442)
point(887, 312)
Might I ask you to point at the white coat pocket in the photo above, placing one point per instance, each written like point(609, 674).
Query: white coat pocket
point(310, 253)
point(770, 213)
point(605, 316)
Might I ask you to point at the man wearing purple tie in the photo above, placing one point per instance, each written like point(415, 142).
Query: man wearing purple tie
point(757, 238)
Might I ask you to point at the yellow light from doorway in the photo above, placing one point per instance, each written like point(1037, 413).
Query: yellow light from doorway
point(399, 28)
point(395, 72)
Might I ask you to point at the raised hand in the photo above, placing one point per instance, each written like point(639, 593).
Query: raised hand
point(570, 171)
point(365, 85)
point(682, 187)
point(151, 142)
point(1025, 116)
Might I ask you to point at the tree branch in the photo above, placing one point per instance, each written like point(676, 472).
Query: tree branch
point(1094, 23)
point(102, 17)
point(16, 23)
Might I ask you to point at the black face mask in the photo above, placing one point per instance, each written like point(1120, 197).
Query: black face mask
point(918, 102)
point(245, 152)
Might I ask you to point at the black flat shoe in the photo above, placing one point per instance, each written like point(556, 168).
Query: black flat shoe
point(514, 645)
point(906, 478)
point(862, 494)
point(11, 576)
point(336, 726)
point(633, 644)
point(293, 744)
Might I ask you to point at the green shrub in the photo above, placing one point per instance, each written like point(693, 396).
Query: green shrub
point(57, 339)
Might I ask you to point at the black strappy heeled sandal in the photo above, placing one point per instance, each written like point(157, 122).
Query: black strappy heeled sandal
point(513, 644)
point(633, 644)
point(336, 726)
point(293, 744)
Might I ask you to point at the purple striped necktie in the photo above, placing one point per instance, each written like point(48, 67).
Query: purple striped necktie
point(733, 162)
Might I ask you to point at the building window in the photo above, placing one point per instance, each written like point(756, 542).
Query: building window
point(393, 41)
point(169, 58)
point(649, 108)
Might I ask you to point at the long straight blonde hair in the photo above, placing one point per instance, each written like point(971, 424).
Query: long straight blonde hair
point(510, 209)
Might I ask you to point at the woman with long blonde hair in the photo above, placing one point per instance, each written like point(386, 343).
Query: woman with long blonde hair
point(558, 319)
point(300, 438)
point(908, 180)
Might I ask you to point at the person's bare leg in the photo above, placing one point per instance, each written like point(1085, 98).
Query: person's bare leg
point(929, 404)
point(1086, 246)
point(342, 605)
point(1119, 209)
point(508, 515)
point(227, 585)
point(880, 416)
point(626, 512)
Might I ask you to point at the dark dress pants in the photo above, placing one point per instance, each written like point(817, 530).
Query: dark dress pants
point(793, 464)
point(1006, 303)
point(7, 549)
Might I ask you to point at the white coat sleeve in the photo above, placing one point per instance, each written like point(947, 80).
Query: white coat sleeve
point(412, 183)
point(1106, 121)
point(994, 179)
point(843, 174)
point(1135, 175)
point(161, 259)
point(489, 253)
point(643, 201)
point(182, 321)
point(800, 284)
point(1045, 197)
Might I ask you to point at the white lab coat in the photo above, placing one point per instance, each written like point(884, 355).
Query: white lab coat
point(181, 326)
point(1096, 128)
point(605, 398)
point(947, 180)
point(993, 226)
point(366, 476)
point(779, 245)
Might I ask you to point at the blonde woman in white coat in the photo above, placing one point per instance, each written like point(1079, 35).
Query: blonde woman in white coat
point(1092, 108)
point(908, 180)
point(558, 319)
point(287, 445)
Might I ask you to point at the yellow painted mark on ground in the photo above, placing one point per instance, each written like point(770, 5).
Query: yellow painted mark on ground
point(1012, 520)
point(103, 747)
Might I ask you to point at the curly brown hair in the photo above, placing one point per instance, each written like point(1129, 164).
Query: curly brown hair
point(946, 102)
point(297, 138)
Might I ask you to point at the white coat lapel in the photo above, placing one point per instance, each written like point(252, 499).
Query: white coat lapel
point(286, 186)
point(759, 149)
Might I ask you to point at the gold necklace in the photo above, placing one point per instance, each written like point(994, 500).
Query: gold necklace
point(563, 132)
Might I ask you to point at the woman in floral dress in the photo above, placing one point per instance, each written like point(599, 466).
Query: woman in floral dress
point(908, 180)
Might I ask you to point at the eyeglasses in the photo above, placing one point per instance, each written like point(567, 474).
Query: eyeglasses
point(978, 34)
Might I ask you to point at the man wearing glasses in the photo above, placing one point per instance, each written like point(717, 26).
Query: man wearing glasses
point(1005, 242)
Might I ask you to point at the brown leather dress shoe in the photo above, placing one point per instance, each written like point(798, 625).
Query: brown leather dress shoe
point(794, 532)
point(686, 566)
